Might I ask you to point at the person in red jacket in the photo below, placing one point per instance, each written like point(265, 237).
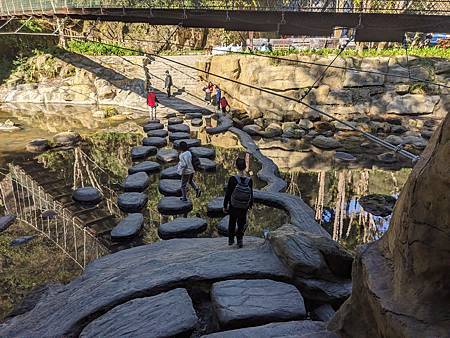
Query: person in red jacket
point(152, 102)
point(224, 104)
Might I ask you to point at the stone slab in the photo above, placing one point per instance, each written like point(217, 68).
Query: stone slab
point(168, 314)
point(157, 133)
point(222, 226)
point(320, 290)
point(174, 121)
point(191, 142)
point(197, 122)
point(224, 123)
point(153, 126)
point(87, 195)
point(174, 206)
point(148, 167)
point(142, 152)
point(128, 228)
point(132, 202)
point(170, 172)
point(6, 221)
point(244, 302)
point(170, 187)
point(203, 152)
point(215, 207)
point(182, 228)
point(155, 141)
point(179, 128)
point(178, 136)
point(167, 155)
point(191, 116)
point(207, 165)
point(136, 182)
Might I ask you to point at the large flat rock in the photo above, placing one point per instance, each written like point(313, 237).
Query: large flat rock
point(182, 228)
point(191, 142)
point(158, 133)
point(215, 207)
point(168, 314)
point(136, 182)
point(170, 187)
point(153, 126)
point(147, 269)
point(132, 201)
point(203, 152)
point(148, 167)
point(179, 128)
point(128, 227)
point(142, 152)
point(170, 172)
point(158, 142)
point(167, 155)
point(174, 206)
point(87, 195)
point(179, 136)
point(246, 302)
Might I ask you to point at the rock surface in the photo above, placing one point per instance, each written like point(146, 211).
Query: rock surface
point(191, 142)
point(179, 128)
point(136, 182)
point(207, 164)
point(179, 136)
point(128, 227)
point(215, 207)
point(153, 126)
point(182, 228)
point(132, 202)
point(158, 133)
point(87, 195)
point(170, 187)
point(38, 145)
point(142, 152)
point(243, 302)
point(167, 155)
point(6, 222)
point(203, 152)
point(174, 120)
point(155, 141)
point(324, 142)
point(20, 241)
point(378, 205)
point(170, 172)
point(168, 314)
point(174, 206)
point(148, 167)
point(67, 139)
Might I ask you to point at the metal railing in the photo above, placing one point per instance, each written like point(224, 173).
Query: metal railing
point(422, 7)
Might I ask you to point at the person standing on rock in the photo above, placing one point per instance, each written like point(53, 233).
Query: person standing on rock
point(186, 170)
point(238, 200)
point(168, 83)
point(224, 105)
point(152, 102)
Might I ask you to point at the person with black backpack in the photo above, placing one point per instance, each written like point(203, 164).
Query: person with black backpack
point(238, 200)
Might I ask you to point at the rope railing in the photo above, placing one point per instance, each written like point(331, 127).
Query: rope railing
point(422, 7)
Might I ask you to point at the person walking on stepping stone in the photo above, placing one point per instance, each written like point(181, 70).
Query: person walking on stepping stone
point(152, 102)
point(238, 200)
point(186, 170)
point(168, 83)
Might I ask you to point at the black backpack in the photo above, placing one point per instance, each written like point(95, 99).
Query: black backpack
point(242, 194)
point(195, 162)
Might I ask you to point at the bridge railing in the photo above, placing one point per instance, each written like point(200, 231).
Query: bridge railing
point(422, 7)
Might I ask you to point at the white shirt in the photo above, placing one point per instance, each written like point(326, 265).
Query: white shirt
point(185, 166)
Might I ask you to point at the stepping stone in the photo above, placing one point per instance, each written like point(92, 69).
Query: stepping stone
point(222, 226)
point(179, 128)
point(167, 155)
point(174, 206)
point(197, 122)
point(215, 207)
point(191, 142)
point(182, 228)
point(170, 115)
point(142, 152)
point(21, 240)
point(153, 121)
point(207, 164)
point(148, 167)
point(158, 142)
point(168, 314)
point(153, 126)
point(38, 145)
point(132, 202)
point(136, 182)
point(203, 152)
point(66, 138)
point(87, 196)
point(244, 302)
point(6, 222)
point(157, 133)
point(191, 116)
point(49, 214)
point(128, 227)
point(170, 172)
point(179, 136)
point(174, 121)
point(170, 187)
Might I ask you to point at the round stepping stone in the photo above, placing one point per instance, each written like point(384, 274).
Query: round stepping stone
point(6, 222)
point(136, 182)
point(87, 196)
point(191, 142)
point(169, 314)
point(132, 201)
point(197, 122)
point(203, 152)
point(153, 121)
point(182, 228)
point(170, 172)
point(179, 136)
point(179, 128)
point(191, 116)
point(153, 126)
point(174, 121)
point(170, 187)
point(167, 155)
point(142, 152)
point(128, 227)
point(158, 142)
point(215, 207)
point(170, 115)
point(174, 206)
point(158, 133)
point(148, 167)
point(222, 226)
point(266, 301)
point(207, 165)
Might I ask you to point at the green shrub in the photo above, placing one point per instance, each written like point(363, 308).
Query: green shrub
point(96, 49)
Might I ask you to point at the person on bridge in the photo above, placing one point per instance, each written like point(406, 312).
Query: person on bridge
point(186, 170)
point(152, 102)
point(238, 200)
point(168, 83)
point(224, 105)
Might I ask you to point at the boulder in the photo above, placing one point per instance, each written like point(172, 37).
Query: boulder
point(153, 126)
point(377, 204)
point(397, 129)
point(167, 155)
point(323, 313)
point(170, 187)
point(343, 127)
point(388, 157)
point(87, 196)
point(305, 124)
point(252, 129)
point(128, 228)
point(344, 157)
point(272, 130)
point(191, 142)
point(174, 120)
point(323, 291)
point(412, 104)
point(6, 222)
point(179, 136)
point(67, 139)
point(158, 142)
point(207, 165)
point(137, 182)
point(174, 206)
point(203, 152)
point(132, 202)
point(395, 140)
point(197, 122)
point(323, 126)
point(324, 142)
point(182, 228)
point(142, 152)
point(179, 128)
point(222, 226)
point(38, 145)
point(254, 302)
point(21, 241)
point(426, 133)
point(167, 314)
point(170, 172)
point(157, 133)
point(148, 167)
point(215, 207)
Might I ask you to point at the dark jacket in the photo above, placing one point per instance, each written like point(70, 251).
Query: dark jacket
point(232, 183)
point(168, 83)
